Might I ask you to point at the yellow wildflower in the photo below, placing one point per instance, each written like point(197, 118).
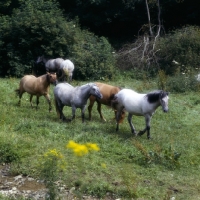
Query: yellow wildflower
point(81, 149)
point(78, 149)
point(92, 146)
point(53, 152)
point(103, 165)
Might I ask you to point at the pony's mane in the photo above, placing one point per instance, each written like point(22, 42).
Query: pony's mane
point(154, 96)
point(88, 84)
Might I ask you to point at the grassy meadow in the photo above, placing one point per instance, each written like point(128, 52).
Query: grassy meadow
point(125, 167)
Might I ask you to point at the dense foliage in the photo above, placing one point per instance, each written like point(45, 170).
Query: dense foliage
point(56, 28)
point(179, 50)
point(39, 28)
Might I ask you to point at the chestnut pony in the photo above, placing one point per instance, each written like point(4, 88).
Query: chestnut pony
point(108, 92)
point(36, 86)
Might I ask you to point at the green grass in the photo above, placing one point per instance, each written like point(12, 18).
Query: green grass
point(126, 166)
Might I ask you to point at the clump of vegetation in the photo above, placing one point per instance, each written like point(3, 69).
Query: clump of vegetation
point(162, 80)
point(166, 157)
point(179, 49)
point(52, 163)
point(8, 153)
point(182, 83)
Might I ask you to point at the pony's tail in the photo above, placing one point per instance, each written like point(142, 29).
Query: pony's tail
point(57, 108)
point(114, 102)
point(114, 105)
point(17, 92)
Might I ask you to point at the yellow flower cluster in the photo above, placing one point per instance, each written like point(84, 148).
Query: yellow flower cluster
point(54, 153)
point(81, 149)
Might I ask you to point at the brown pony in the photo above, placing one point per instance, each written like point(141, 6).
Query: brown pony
point(36, 86)
point(108, 92)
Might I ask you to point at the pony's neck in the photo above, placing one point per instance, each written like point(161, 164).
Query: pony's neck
point(85, 91)
point(44, 60)
point(47, 79)
point(154, 100)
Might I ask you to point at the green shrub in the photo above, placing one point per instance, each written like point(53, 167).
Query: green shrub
point(167, 157)
point(182, 83)
point(8, 153)
point(179, 50)
point(93, 57)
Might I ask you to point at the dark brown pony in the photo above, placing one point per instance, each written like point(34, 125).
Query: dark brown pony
point(36, 86)
point(108, 92)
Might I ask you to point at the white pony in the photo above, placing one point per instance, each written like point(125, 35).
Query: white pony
point(140, 105)
point(74, 97)
point(67, 67)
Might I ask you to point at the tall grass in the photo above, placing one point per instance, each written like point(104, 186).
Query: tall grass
point(125, 167)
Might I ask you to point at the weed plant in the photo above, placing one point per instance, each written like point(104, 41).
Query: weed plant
point(125, 167)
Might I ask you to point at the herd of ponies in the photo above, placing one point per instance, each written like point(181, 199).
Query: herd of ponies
point(121, 100)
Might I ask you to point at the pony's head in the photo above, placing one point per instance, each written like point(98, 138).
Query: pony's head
point(52, 78)
point(164, 97)
point(159, 96)
point(39, 59)
point(95, 91)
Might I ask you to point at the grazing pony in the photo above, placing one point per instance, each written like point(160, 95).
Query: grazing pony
point(140, 105)
point(108, 92)
point(52, 65)
point(75, 97)
point(67, 68)
point(36, 86)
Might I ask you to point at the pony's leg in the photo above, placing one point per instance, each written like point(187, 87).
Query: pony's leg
point(99, 110)
point(83, 114)
point(49, 101)
point(130, 123)
point(60, 109)
point(62, 75)
point(20, 96)
point(31, 97)
point(92, 100)
point(147, 128)
point(118, 116)
point(37, 102)
point(73, 112)
point(62, 116)
point(148, 120)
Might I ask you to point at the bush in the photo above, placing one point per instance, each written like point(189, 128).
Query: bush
point(94, 58)
point(182, 83)
point(179, 50)
point(8, 153)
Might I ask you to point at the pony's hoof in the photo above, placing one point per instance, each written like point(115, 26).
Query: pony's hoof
point(67, 120)
point(140, 133)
